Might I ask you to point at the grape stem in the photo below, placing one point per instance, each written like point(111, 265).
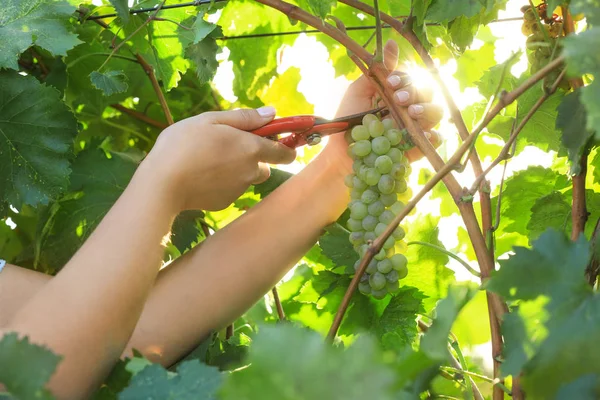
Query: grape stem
point(140, 116)
point(379, 36)
point(280, 312)
point(515, 133)
point(157, 89)
point(579, 212)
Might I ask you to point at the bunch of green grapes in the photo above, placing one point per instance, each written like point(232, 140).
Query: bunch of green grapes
point(543, 41)
point(378, 191)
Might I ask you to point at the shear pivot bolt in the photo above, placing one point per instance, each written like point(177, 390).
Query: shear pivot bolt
point(313, 139)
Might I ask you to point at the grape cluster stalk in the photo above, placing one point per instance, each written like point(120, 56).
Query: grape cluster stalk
point(544, 35)
point(378, 192)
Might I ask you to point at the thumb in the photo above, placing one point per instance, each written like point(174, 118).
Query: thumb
point(244, 119)
point(390, 55)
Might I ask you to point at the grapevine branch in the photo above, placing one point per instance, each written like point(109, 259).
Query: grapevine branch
point(140, 116)
point(280, 312)
point(579, 212)
point(503, 155)
point(161, 97)
point(594, 264)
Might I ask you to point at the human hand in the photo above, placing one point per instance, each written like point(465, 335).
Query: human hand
point(207, 161)
point(359, 98)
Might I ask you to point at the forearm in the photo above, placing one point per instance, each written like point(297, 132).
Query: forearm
point(210, 287)
point(102, 290)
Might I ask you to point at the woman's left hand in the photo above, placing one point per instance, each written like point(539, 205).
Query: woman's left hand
point(359, 98)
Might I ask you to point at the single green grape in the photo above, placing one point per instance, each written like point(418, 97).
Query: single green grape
point(361, 148)
point(388, 124)
point(376, 208)
point(386, 184)
point(398, 171)
point(364, 288)
point(402, 272)
point(376, 128)
point(349, 181)
point(355, 194)
point(400, 186)
point(370, 159)
point(397, 207)
point(357, 238)
point(370, 235)
point(384, 266)
point(392, 287)
point(359, 211)
point(388, 199)
point(399, 233)
point(350, 151)
point(372, 177)
point(360, 132)
point(380, 145)
point(389, 243)
point(372, 267)
point(394, 136)
point(354, 225)
point(367, 119)
point(399, 262)
point(383, 164)
point(381, 255)
point(392, 276)
point(379, 294)
point(359, 184)
point(369, 222)
point(369, 197)
point(356, 165)
point(377, 281)
point(380, 228)
point(396, 155)
point(386, 217)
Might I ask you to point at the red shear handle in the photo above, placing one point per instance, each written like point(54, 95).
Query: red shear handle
point(284, 125)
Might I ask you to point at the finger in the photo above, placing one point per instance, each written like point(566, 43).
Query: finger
point(272, 152)
point(390, 55)
point(412, 95)
point(398, 79)
point(263, 172)
point(244, 119)
point(428, 115)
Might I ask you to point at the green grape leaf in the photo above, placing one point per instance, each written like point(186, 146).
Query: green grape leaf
point(473, 64)
point(550, 211)
point(277, 178)
point(36, 135)
point(580, 60)
point(336, 246)
point(591, 9)
point(426, 266)
point(584, 388)
point(193, 380)
point(498, 77)
point(397, 326)
point(463, 30)
point(204, 56)
point(515, 342)
point(201, 28)
point(320, 8)
point(109, 82)
point(553, 267)
point(521, 191)
point(443, 11)
point(118, 380)
point(434, 342)
point(571, 121)
point(469, 327)
point(397, 7)
point(288, 363)
point(420, 8)
point(31, 366)
point(101, 181)
point(186, 230)
point(122, 8)
point(44, 23)
point(292, 104)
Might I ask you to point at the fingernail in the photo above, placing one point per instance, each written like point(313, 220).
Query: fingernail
point(427, 135)
point(394, 80)
point(266, 112)
point(402, 96)
point(417, 109)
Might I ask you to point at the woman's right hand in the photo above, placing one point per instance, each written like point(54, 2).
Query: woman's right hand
point(207, 161)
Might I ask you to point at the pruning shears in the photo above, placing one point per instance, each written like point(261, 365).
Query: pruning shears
point(310, 129)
